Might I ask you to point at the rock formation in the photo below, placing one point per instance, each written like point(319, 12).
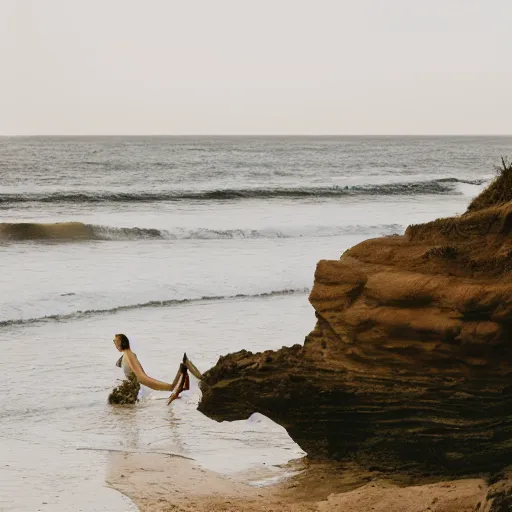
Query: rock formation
point(409, 365)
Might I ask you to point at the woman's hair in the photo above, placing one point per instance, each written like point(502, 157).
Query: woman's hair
point(125, 342)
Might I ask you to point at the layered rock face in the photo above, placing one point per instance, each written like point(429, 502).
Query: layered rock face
point(410, 362)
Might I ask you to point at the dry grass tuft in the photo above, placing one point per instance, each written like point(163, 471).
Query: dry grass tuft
point(498, 192)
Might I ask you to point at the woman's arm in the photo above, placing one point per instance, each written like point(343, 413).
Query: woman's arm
point(144, 379)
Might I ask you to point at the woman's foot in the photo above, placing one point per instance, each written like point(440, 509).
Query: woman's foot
point(172, 398)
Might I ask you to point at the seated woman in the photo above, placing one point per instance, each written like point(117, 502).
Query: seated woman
point(127, 392)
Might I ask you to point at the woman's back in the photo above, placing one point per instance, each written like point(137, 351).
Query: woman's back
point(126, 367)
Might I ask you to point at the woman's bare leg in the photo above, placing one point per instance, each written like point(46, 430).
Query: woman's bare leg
point(155, 384)
point(160, 385)
point(181, 386)
point(141, 375)
point(191, 367)
point(177, 378)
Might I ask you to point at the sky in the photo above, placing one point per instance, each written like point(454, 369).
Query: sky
point(85, 67)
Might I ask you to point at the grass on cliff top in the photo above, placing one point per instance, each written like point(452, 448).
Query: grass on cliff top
point(498, 192)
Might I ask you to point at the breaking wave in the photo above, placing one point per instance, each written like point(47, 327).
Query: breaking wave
point(436, 187)
point(150, 304)
point(76, 231)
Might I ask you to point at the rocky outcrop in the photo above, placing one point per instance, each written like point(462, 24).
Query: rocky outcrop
point(410, 362)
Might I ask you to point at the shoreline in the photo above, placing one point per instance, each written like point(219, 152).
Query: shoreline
point(159, 483)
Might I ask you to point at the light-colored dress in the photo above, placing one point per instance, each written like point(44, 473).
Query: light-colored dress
point(126, 368)
point(129, 374)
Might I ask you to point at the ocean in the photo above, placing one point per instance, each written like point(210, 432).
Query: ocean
point(200, 244)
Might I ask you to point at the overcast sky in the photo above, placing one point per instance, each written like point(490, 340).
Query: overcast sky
point(255, 67)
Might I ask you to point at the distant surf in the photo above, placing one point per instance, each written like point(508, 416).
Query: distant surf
point(78, 231)
point(150, 304)
point(435, 187)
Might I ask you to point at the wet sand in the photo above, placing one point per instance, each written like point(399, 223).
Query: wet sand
point(160, 483)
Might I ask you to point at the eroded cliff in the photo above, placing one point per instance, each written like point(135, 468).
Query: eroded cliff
point(410, 362)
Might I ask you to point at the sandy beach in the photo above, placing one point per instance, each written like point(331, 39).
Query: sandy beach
point(160, 483)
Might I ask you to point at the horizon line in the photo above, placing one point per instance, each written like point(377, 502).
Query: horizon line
point(259, 135)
